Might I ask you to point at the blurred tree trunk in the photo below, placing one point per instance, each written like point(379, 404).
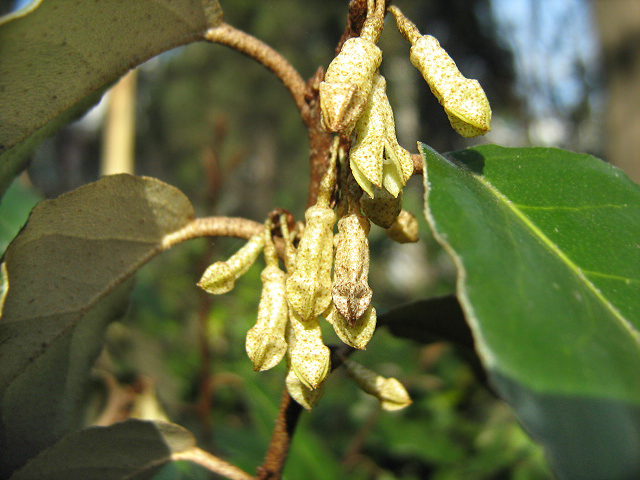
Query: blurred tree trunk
point(619, 23)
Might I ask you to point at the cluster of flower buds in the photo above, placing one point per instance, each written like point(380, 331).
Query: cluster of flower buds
point(291, 303)
point(353, 99)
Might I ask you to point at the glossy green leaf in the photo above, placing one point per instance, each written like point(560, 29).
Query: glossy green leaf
point(69, 275)
point(56, 58)
point(134, 447)
point(547, 248)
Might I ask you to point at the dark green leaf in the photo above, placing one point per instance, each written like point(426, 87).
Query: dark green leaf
point(69, 276)
point(546, 245)
point(134, 447)
point(57, 54)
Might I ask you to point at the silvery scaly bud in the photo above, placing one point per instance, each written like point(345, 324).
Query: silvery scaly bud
point(310, 358)
point(347, 84)
point(390, 392)
point(265, 343)
point(351, 293)
point(404, 229)
point(376, 158)
point(305, 396)
point(221, 277)
point(358, 334)
point(463, 99)
point(383, 208)
point(309, 285)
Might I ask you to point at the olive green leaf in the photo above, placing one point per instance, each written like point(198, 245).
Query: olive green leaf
point(57, 57)
point(69, 274)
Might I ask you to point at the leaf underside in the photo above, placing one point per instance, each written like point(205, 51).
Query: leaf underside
point(69, 274)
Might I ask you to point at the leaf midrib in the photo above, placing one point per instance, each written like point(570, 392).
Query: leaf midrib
point(552, 247)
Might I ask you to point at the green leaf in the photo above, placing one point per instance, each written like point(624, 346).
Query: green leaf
point(69, 276)
point(58, 54)
point(14, 210)
point(134, 447)
point(546, 245)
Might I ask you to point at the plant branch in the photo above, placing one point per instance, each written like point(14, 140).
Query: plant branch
point(213, 227)
point(212, 463)
point(286, 422)
point(252, 47)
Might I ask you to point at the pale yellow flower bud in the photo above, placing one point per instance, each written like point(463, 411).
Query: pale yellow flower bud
point(310, 358)
point(351, 293)
point(309, 286)
point(390, 392)
point(305, 396)
point(383, 208)
point(404, 229)
point(376, 158)
point(347, 84)
point(358, 334)
point(266, 344)
point(221, 277)
point(464, 101)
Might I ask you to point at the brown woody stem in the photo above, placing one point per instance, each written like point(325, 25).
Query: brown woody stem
point(249, 45)
point(274, 460)
point(212, 463)
point(213, 227)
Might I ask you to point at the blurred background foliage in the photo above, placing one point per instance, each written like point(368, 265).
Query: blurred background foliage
point(222, 129)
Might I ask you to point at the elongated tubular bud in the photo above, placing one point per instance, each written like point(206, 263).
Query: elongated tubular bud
point(309, 286)
point(265, 343)
point(464, 100)
point(221, 277)
point(390, 392)
point(351, 292)
point(376, 158)
point(305, 396)
point(358, 334)
point(404, 229)
point(310, 358)
point(347, 84)
point(383, 208)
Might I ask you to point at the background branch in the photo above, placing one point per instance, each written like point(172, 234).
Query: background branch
point(212, 463)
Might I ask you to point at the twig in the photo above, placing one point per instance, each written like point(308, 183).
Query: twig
point(212, 463)
point(286, 422)
point(254, 48)
point(213, 227)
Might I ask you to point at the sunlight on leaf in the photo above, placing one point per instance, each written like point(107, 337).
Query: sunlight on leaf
point(546, 245)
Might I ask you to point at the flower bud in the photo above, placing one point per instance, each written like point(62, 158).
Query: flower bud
point(390, 392)
point(309, 286)
point(351, 293)
point(310, 357)
point(463, 99)
point(347, 84)
point(376, 158)
point(305, 396)
point(383, 208)
point(356, 334)
point(221, 277)
point(266, 344)
point(404, 229)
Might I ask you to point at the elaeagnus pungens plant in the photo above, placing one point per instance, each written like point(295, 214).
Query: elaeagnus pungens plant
point(326, 272)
